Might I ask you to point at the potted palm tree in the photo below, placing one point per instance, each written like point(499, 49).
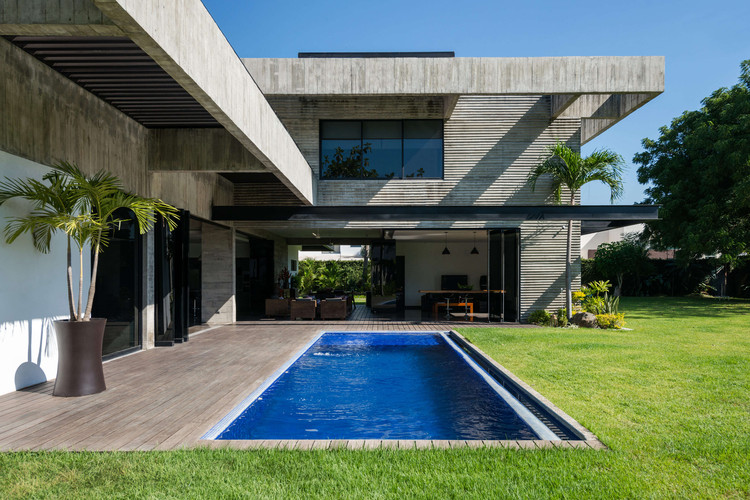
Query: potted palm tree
point(84, 208)
point(568, 169)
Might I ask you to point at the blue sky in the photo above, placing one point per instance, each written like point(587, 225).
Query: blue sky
point(703, 43)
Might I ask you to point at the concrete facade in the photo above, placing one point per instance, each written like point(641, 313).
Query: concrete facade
point(218, 277)
point(261, 146)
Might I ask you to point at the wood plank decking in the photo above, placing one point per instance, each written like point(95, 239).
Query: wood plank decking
point(167, 398)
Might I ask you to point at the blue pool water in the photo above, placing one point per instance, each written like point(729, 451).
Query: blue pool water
point(379, 386)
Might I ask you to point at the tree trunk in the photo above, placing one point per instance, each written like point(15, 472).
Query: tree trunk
point(568, 279)
point(365, 255)
point(71, 304)
point(727, 268)
point(79, 317)
point(92, 285)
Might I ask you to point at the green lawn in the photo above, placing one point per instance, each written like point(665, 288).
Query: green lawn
point(671, 399)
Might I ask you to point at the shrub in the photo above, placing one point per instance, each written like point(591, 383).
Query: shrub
point(315, 274)
point(540, 317)
point(615, 321)
point(596, 303)
point(562, 317)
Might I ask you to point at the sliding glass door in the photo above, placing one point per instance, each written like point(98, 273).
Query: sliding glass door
point(118, 288)
point(504, 274)
point(171, 284)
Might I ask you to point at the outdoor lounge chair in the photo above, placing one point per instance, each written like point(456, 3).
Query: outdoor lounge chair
point(333, 308)
point(303, 308)
point(277, 307)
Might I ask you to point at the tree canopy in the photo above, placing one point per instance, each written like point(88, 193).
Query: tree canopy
point(699, 171)
point(627, 257)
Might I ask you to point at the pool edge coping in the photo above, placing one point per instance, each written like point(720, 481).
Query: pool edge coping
point(588, 436)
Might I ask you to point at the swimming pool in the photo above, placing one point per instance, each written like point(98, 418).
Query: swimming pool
point(382, 385)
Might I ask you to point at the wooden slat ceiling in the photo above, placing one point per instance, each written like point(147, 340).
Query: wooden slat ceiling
point(117, 71)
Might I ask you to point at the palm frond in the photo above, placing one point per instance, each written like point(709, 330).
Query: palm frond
point(566, 168)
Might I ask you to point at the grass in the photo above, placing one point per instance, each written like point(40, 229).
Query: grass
point(671, 399)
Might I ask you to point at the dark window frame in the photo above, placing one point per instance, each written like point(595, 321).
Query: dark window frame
point(362, 139)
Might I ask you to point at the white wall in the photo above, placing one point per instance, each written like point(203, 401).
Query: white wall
point(32, 293)
point(339, 252)
point(293, 252)
point(424, 264)
point(592, 241)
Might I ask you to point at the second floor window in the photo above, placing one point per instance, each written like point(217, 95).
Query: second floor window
point(381, 149)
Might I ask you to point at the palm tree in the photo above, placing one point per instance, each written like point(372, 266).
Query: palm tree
point(567, 169)
point(84, 209)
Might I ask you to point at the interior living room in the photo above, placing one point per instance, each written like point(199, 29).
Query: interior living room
point(417, 275)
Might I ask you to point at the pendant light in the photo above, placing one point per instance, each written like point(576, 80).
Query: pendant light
point(474, 250)
point(445, 250)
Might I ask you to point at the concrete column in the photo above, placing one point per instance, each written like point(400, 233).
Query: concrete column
point(148, 323)
point(217, 275)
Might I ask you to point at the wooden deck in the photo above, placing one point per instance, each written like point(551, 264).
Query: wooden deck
point(167, 398)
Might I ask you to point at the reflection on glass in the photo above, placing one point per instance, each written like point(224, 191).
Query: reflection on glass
point(342, 159)
point(423, 158)
point(381, 149)
point(117, 288)
point(165, 284)
point(383, 156)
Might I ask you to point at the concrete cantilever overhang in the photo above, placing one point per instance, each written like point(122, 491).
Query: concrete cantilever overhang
point(183, 39)
point(599, 90)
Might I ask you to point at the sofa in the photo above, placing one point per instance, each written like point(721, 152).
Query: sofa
point(334, 308)
point(302, 308)
point(277, 307)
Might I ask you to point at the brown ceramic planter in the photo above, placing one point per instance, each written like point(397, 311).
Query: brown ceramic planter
point(79, 357)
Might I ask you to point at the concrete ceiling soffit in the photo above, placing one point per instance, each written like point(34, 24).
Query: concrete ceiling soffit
point(55, 18)
point(597, 112)
point(199, 150)
point(600, 112)
point(449, 104)
point(559, 103)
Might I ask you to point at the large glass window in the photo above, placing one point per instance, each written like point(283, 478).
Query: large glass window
point(118, 287)
point(381, 149)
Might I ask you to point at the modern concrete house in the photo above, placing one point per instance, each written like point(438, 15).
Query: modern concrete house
point(409, 153)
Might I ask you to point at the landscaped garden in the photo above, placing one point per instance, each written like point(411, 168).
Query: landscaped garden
point(671, 399)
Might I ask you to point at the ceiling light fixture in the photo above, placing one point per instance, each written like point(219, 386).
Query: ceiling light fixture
point(445, 250)
point(474, 250)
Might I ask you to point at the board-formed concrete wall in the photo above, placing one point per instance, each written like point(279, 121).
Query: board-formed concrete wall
point(34, 293)
point(217, 275)
point(47, 118)
point(543, 246)
point(344, 76)
point(491, 143)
